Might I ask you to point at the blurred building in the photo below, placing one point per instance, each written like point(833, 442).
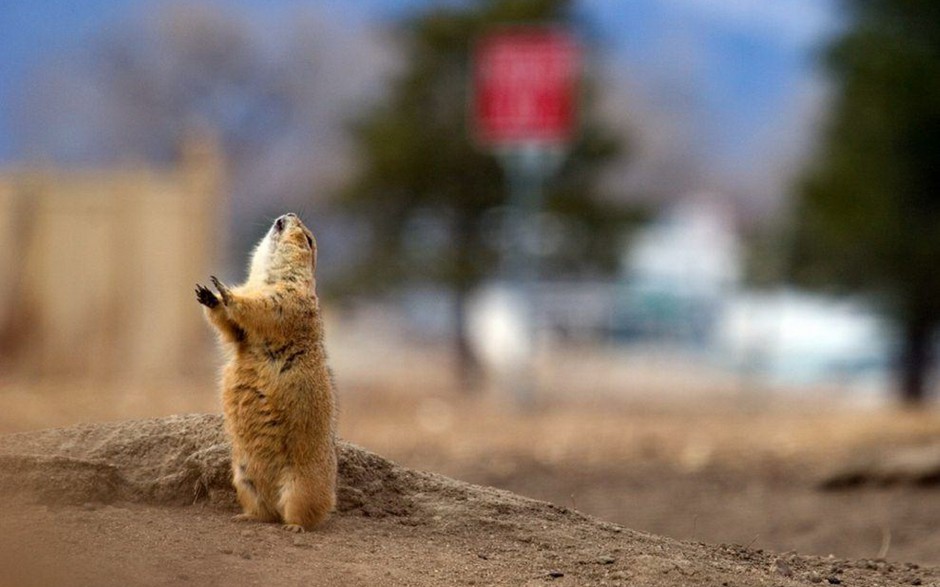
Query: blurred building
point(97, 267)
point(794, 338)
point(679, 273)
point(681, 296)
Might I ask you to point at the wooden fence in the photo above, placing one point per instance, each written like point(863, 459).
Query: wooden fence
point(97, 268)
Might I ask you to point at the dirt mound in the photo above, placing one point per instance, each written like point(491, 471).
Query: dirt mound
point(182, 460)
point(175, 460)
point(148, 502)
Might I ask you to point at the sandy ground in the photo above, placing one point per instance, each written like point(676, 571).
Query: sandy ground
point(715, 472)
point(148, 503)
point(716, 469)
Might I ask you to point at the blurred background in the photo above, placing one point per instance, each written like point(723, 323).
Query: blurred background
point(731, 291)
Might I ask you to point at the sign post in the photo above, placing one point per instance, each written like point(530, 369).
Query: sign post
point(525, 91)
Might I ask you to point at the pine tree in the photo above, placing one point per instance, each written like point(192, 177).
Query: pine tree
point(869, 213)
point(417, 158)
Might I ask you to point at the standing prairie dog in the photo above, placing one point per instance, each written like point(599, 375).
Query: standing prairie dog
point(277, 391)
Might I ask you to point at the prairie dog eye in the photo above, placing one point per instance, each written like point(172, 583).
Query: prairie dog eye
point(309, 241)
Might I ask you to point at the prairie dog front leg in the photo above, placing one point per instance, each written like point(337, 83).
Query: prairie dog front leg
point(216, 313)
point(258, 313)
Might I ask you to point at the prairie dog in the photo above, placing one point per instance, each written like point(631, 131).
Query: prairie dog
point(277, 391)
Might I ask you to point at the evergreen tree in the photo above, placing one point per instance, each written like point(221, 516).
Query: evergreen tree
point(869, 214)
point(417, 160)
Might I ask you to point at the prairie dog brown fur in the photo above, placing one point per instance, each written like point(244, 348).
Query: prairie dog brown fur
point(277, 391)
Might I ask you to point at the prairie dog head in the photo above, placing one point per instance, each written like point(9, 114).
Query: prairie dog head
point(288, 252)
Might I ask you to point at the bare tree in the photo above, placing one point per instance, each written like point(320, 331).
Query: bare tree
point(275, 94)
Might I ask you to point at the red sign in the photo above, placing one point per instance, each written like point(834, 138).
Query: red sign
point(525, 86)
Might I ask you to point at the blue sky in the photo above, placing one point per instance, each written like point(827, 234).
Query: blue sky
point(739, 75)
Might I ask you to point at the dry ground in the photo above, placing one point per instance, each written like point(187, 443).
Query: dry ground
point(148, 503)
point(714, 472)
point(720, 470)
